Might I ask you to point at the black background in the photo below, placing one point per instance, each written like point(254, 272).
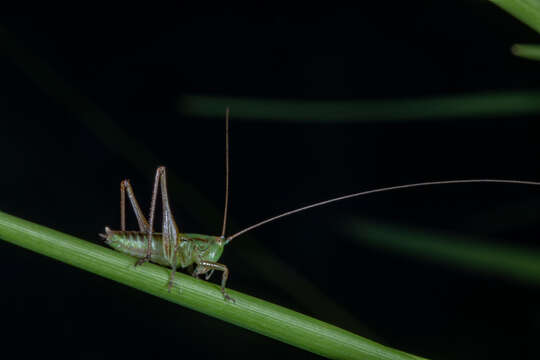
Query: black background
point(132, 68)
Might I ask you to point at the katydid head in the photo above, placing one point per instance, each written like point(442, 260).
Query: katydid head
point(207, 247)
point(214, 249)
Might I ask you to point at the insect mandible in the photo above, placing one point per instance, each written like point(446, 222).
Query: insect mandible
point(182, 250)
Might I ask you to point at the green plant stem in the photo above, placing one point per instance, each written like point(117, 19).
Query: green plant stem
point(248, 312)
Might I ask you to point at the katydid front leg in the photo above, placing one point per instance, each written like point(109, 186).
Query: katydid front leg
point(203, 266)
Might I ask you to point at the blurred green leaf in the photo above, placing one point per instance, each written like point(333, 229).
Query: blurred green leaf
point(527, 51)
point(517, 263)
point(456, 106)
point(528, 11)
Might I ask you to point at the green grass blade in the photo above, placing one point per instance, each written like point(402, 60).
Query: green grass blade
point(248, 312)
point(527, 51)
point(491, 104)
point(528, 11)
point(512, 262)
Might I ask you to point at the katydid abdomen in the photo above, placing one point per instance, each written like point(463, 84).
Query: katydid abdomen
point(192, 248)
point(135, 243)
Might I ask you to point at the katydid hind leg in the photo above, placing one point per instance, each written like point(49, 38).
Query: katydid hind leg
point(150, 228)
point(169, 231)
point(125, 186)
point(204, 266)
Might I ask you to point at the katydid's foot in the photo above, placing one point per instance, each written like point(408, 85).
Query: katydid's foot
point(171, 280)
point(227, 297)
point(142, 260)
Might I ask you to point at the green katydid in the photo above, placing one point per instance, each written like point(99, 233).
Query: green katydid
point(175, 249)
